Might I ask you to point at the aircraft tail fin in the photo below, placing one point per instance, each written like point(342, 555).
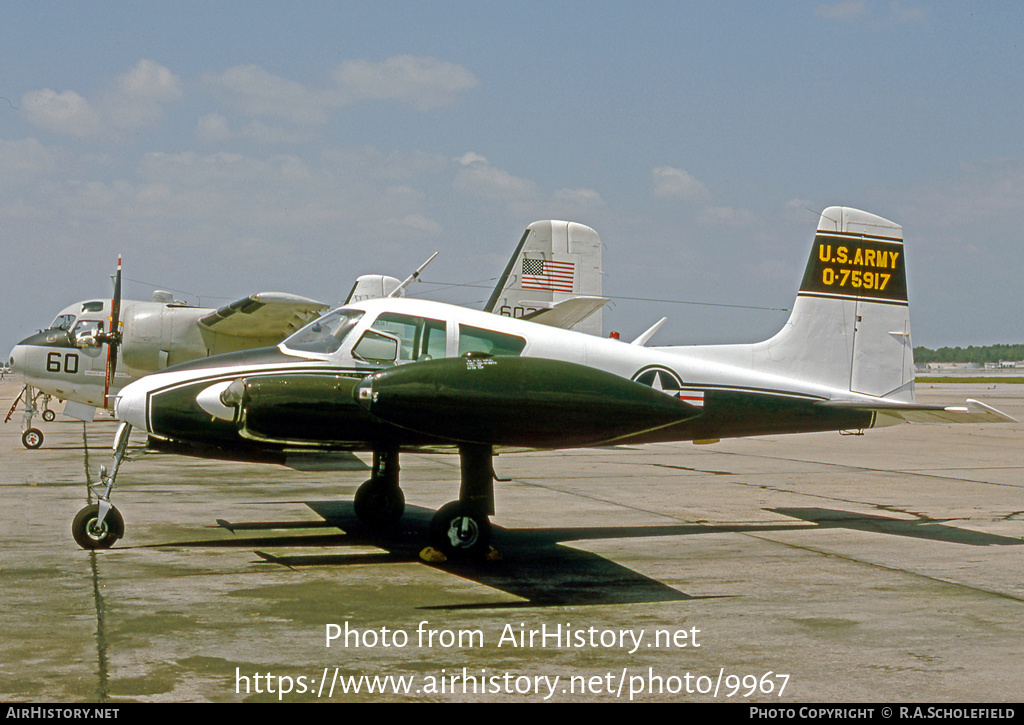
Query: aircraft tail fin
point(850, 325)
point(373, 286)
point(554, 261)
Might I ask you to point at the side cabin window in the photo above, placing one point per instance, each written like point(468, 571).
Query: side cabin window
point(394, 338)
point(476, 339)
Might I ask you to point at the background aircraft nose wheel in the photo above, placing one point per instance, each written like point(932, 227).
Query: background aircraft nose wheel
point(460, 530)
point(49, 415)
point(89, 535)
point(32, 438)
point(379, 504)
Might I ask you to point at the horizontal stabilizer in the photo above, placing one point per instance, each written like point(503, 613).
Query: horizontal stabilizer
point(567, 313)
point(892, 413)
point(263, 315)
point(646, 336)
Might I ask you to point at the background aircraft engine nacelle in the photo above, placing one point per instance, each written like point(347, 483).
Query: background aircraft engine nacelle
point(516, 401)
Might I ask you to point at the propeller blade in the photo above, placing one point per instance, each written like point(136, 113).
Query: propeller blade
point(113, 336)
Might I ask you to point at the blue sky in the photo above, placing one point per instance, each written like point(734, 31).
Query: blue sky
point(232, 147)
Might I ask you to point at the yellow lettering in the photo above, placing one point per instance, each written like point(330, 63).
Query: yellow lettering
point(869, 257)
point(893, 256)
point(841, 255)
point(824, 252)
point(858, 257)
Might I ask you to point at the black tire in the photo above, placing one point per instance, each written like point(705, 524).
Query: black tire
point(32, 438)
point(49, 415)
point(460, 530)
point(88, 536)
point(379, 505)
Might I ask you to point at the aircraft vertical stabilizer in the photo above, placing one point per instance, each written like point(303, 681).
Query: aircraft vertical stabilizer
point(850, 325)
point(554, 262)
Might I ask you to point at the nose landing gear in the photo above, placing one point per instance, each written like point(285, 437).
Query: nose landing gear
point(99, 525)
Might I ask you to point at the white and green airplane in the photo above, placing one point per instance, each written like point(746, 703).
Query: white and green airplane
point(392, 375)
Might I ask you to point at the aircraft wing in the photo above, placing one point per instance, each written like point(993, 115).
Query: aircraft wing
point(567, 313)
point(892, 413)
point(263, 315)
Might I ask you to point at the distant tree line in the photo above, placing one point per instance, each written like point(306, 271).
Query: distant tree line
point(986, 354)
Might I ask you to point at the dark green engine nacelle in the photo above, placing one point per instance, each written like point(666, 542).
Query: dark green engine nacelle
point(304, 409)
point(516, 402)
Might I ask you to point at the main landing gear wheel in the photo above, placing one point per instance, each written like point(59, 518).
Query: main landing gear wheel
point(49, 415)
point(32, 438)
point(89, 535)
point(460, 530)
point(378, 504)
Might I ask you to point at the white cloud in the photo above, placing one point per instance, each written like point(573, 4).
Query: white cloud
point(578, 199)
point(256, 92)
point(135, 101)
point(478, 178)
point(672, 183)
point(26, 157)
point(423, 83)
point(66, 112)
point(470, 158)
point(213, 128)
point(139, 96)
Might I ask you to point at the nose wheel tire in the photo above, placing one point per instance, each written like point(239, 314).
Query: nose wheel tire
point(89, 535)
point(49, 415)
point(32, 438)
point(460, 530)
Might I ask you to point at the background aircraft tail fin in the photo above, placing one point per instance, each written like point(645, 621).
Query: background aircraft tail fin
point(554, 261)
point(850, 325)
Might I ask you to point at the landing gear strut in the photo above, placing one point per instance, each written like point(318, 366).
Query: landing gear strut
point(31, 437)
point(99, 525)
point(462, 529)
point(380, 501)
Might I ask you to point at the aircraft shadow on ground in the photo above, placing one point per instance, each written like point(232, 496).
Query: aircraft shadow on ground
point(920, 527)
point(535, 566)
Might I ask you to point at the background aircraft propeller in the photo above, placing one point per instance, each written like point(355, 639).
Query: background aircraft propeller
point(113, 337)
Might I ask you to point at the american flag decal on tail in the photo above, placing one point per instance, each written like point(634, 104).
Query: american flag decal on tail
point(545, 274)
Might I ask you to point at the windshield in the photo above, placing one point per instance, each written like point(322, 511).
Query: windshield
point(325, 334)
point(63, 322)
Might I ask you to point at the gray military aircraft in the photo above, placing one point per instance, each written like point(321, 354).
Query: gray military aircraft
point(95, 347)
point(392, 375)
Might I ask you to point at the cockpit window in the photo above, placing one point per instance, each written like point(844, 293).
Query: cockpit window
point(325, 334)
point(476, 339)
point(85, 332)
point(63, 322)
point(92, 307)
